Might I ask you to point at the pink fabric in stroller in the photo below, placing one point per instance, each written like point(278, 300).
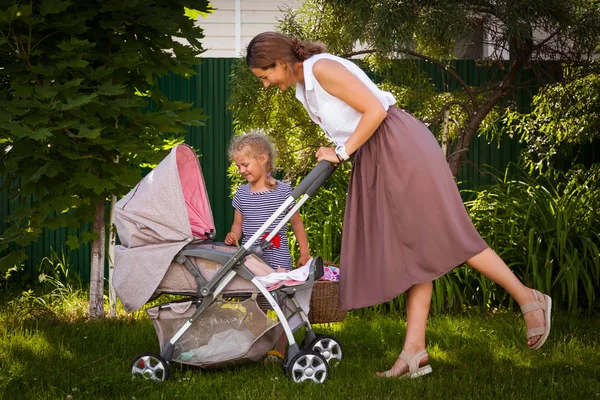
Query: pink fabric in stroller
point(194, 192)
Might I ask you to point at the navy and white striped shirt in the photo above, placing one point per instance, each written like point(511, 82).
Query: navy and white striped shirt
point(256, 208)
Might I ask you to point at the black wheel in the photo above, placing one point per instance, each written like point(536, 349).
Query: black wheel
point(308, 365)
point(328, 347)
point(150, 366)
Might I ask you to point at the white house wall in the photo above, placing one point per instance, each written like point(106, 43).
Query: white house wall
point(254, 16)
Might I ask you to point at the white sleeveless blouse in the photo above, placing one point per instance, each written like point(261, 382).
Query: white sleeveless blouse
point(335, 117)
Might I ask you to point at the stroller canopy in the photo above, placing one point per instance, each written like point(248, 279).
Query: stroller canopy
point(165, 211)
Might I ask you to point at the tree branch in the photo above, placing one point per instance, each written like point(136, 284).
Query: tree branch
point(6, 38)
point(543, 42)
point(358, 53)
point(42, 39)
point(445, 68)
point(447, 106)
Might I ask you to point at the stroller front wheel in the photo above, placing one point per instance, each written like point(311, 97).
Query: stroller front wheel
point(308, 365)
point(150, 366)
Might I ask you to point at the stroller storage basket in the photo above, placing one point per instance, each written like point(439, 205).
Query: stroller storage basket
point(227, 332)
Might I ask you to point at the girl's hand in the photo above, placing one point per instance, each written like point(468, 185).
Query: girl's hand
point(303, 260)
point(327, 153)
point(231, 239)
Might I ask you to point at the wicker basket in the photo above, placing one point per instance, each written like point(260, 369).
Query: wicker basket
point(325, 303)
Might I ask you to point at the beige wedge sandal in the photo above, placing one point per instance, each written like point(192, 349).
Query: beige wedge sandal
point(542, 302)
point(413, 361)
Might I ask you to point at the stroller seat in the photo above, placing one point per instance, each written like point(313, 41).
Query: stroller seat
point(180, 280)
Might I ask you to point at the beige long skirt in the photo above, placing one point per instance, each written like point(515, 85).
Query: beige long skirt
point(405, 222)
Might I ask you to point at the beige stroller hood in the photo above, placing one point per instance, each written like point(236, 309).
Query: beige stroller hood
point(168, 209)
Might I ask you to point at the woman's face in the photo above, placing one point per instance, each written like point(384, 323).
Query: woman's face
point(279, 76)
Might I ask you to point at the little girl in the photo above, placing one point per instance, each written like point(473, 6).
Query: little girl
point(257, 200)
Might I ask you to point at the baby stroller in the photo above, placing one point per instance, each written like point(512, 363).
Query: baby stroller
point(223, 314)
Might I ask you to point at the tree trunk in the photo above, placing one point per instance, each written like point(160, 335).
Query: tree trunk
point(456, 159)
point(445, 132)
point(112, 240)
point(458, 156)
point(97, 264)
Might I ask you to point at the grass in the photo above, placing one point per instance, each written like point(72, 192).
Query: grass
point(474, 355)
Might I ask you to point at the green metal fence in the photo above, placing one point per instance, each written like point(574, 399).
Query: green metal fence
point(209, 90)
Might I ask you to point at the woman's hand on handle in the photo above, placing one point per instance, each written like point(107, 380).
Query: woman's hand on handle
point(328, 154)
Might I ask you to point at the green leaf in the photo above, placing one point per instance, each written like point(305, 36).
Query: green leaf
point(11, 259)
point(193, 117)
point(88, 237)
point(108, 89)
point(53, 6)
point(45, 90)
point(10, 14)
point(41, 134)
point(72, 64)
point(37, 119)
point(89, 133)
point(191, 13)
point(74, 45)
point(19, 130)
point(101, 72)
point(194, 14)
point(79, 101)
point(38, 173)
point(23, 91)
point(73, 242)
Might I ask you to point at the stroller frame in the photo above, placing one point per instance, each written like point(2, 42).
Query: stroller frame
point(315, 353)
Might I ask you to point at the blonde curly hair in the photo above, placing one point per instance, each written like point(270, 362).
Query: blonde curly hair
point(254, 144)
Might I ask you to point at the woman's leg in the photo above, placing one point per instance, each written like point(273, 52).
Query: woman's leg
point(418, 300)
point(491, 265)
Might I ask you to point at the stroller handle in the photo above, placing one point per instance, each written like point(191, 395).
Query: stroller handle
point(313, 181)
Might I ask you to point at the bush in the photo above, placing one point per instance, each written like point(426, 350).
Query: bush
point(547, 230)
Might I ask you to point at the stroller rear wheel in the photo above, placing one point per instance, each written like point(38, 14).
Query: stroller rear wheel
point(150, 366)
point(328, 347)
point(308, 365)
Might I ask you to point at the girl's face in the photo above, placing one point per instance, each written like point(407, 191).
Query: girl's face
point(250, 167)
point(279, 76)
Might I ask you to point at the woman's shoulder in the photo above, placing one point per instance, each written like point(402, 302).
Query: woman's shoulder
point(326, 63)
point(321, 56)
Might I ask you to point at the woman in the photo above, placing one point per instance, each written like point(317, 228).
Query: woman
point(405, 224)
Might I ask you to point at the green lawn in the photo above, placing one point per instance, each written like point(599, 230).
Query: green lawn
point(474, 356)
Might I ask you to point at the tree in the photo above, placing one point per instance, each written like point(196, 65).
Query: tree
point(76, 79)
point(524, 32)
point(563, 123)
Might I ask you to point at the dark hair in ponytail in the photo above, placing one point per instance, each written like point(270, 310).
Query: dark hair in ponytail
point(265, 49)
